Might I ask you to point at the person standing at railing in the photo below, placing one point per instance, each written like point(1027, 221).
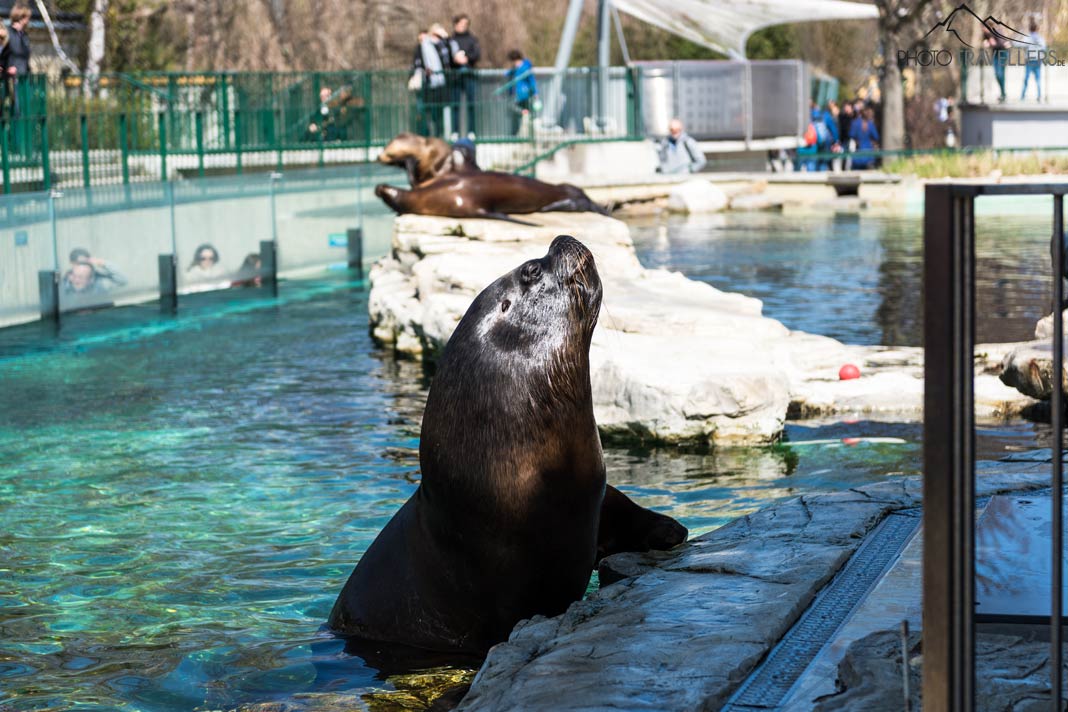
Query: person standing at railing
point(464, 53)
point(523, 88)
point(866, 137)
point(997, 46)
point(15, 57)
point(1036, 53)
point(679, 153)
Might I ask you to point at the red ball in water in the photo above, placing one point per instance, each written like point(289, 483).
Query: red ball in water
point(848, 372)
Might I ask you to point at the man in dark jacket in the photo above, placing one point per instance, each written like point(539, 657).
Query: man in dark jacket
point(465, 55)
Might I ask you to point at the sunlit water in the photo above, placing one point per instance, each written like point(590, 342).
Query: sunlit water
point(182, 499)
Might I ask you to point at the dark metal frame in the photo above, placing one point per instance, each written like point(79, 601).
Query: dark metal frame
point(949, 442)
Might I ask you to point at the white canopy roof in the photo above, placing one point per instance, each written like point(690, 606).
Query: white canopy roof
point(725, 25)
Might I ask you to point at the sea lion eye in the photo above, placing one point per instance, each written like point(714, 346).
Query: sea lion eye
point(504, 305)
point(531, 272)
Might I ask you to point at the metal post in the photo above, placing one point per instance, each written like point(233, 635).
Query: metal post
point(237, 138)
point(199, 127)
point(948, 452)
point(168, 283)
point(1057, 421)
point(563, 57)
point(604, 48)
point(174, 223)
point(46, 162)
point(368, 104)
point(279, 138)
point(48, 288)
point(124, 149)
point(225, 110)
point(355, 249)
point(162, 128)
point(269, 263)
point(83, 122)
point(5, 154)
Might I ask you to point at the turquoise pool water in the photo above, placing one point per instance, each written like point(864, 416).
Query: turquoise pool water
point(182, 499)
point(858, 278)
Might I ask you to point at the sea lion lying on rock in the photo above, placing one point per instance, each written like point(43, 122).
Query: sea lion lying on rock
point(513, 509)
point(487, 194)
point(425, 158)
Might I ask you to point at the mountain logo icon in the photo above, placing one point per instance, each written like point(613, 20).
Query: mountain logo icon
point(960, 22)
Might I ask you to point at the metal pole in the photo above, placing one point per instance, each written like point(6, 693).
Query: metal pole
point(162, 128)
point(604, 48)
point(269, 263)
point(563, 58)
point(948, 452)
point(1057, 421)
point(83, 122)
point(237, 138)
point(199, 127)
point(46, 161)
point(168, 283)
point(5, 152)
point(124, 149)
point(355, 249)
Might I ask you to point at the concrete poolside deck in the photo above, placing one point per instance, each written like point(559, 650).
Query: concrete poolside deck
point(759, 614)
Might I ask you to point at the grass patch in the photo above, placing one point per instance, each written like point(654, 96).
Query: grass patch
point(978, 164)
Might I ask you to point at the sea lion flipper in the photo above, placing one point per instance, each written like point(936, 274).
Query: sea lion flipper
point(626, 526)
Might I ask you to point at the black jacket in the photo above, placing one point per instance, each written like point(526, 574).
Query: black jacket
point(469, 44)
point(17, 53)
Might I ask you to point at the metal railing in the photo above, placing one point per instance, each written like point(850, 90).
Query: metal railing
point(949, 561)
point(152, 126)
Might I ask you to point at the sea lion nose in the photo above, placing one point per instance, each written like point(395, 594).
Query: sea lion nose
point(530, 273)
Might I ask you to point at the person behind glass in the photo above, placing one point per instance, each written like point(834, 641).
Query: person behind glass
point(90, 276)
point(434, 53)
point(996, 46)
point(15, 57)
point(866, 136)
point(679, 152)
point(250, 273)
point(205, 266)
point(1036, 53)
point(523, 88)
point(323, 124)
point(465, 53)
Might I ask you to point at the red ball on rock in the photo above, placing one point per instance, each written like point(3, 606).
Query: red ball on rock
point(848, 372)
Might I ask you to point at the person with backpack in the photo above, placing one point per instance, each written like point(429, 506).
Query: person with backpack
point(679, 153)
point(819, 137)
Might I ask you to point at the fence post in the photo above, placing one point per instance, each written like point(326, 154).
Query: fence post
point(162, 129)
point(48, 287)
point(83, 120)
point(279, 137)
point(225, 110)
point(124, 149)
point(948, 451)
point(199, 120)
point(168, 283)
point(46, 165)
point(269, 263)
point(355, 249)
point(237, 139)
point(5, 153)
point(369, 111)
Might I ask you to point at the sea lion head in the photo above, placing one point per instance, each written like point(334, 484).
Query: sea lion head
point(403, 146)
point(529, 331)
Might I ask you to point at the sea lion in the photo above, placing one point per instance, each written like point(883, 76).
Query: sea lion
point(426, 158)
point(513, 509)
point(487, 194)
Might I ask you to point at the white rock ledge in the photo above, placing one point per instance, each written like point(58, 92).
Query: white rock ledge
point(673, 360)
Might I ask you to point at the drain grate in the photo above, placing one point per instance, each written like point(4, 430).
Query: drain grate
point(768, 685)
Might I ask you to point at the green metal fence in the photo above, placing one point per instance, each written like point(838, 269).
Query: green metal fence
point(154, 126)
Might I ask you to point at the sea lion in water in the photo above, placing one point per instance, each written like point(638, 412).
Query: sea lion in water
point(487, 194)
point(425, 158)
point(513, 509)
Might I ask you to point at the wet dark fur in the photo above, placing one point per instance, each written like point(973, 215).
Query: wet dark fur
point(486, 194)
point(513, 509)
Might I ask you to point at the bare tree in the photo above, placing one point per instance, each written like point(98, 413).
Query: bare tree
point(94, 55)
